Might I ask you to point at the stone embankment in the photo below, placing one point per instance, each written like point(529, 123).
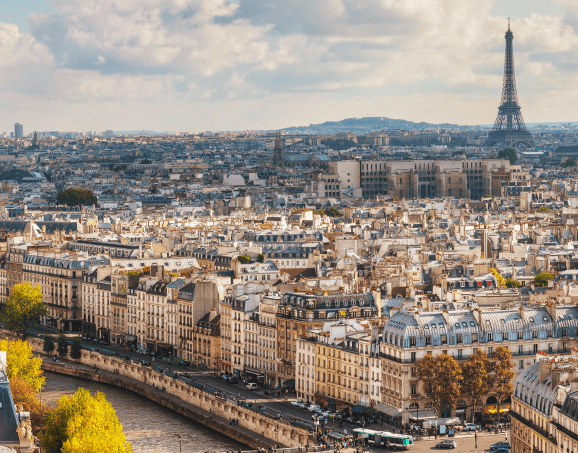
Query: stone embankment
point(253, 429)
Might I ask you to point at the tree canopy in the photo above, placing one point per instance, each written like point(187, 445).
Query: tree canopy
point(24, 395)
point(541, 280)
point(76, 197)
point(509, 154)
point(62, 346)
point(569, 163)
point(476, 379)
point(84, 423)
point(511, 283)
point(23, 307)
point(501, 281)
point(76, 348)
point(502, 374)
point(442, 379)
point(48, 345)
point(244, 259)
point(21, 362)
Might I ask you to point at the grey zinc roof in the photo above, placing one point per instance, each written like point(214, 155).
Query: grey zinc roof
point(503, 324)
point(538, 394)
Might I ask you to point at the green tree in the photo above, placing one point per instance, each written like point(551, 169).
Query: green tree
point(62, 346)
point(76, 197)
point(569, 163)
point(244, 259)
point(501, 281)
point(21, 362)
point(332, 212)
point(442, 379)
point(544, 209)
point(509, 154)
point(511, 283)
point(541, 280)
point(84, 423)
point(23, 307)
point(476, 382)
point(260, 258)
point(48, 345)
point(76, 349)
point(502, 374)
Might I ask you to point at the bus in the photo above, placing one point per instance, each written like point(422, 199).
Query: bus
point(396, 441)
point(384, 438)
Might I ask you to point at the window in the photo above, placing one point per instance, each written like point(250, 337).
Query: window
point(414, 389)
point(427, 341)
point(413, 357)
point(520, 334)
point(489, 335)
point(460, 354)
point(535, 348)
point(520, 349)
point(521, 364)
point(458, 339)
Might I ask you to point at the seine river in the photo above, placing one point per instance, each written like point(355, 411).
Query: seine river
point(148, 427)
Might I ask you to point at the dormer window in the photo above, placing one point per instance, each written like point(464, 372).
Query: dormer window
point(531, 319)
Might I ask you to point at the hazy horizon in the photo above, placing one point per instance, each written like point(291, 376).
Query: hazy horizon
point(194, 65)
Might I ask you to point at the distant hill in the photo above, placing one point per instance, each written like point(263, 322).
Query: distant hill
point(366, 125)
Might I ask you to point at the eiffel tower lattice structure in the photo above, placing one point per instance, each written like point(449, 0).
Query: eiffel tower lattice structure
point(509, 127)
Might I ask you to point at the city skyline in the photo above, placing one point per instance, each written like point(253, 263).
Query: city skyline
point(200, 65)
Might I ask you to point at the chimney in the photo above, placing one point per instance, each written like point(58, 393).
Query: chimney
point(545, 369)
point(212, 314)
point(552, 311)
point(521, 310)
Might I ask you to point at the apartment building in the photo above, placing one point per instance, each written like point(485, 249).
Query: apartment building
point(194, 301)
point(300, 312)
point(305, 368)
point(544, 409)
point(118, 308)
point(207, 341)
point(267, 338)
point(409, 335)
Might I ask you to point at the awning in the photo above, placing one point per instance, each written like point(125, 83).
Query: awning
point(130, 338)
point(384, 408)
point(289, 383)
point(504, 408)
point(423, 415)
point(357, 409)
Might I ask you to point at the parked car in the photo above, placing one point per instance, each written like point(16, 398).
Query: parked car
point(251, 386)
point(301, 405)
point(295, 403)
point(471, 427)
point(500, 445)
point(447, 444)
point(326, 414)
point(501, 450)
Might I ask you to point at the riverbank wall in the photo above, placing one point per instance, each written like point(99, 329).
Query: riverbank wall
point(254, 429)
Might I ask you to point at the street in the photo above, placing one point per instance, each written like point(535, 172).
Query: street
point(281, 405)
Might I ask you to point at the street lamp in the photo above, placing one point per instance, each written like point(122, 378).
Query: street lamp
point(407, 412)
point(180, 444)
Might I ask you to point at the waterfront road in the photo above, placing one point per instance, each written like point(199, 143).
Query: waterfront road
point(274, 404)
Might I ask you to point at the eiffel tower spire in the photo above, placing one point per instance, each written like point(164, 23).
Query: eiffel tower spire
point(509, 126)
point(278, 160)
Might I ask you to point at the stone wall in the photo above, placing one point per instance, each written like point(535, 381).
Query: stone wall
point(143, 377)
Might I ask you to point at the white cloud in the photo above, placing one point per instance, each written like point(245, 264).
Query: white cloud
point(443, 57)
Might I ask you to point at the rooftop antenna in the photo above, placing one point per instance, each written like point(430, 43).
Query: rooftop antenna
point(508, 24)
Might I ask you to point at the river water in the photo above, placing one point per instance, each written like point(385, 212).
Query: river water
point(147, 426)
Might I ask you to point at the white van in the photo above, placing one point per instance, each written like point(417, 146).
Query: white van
point(251, 386)
point(314, 408)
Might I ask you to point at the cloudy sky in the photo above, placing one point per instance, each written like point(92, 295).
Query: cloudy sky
point(194, 65)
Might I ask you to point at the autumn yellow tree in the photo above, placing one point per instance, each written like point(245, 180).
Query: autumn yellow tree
point(84, 423)
point(476, 378)
point(21, 363)
point(502, 374)
point(501, 280)
point(24, 395)
point(23, 307)
point(442, 379)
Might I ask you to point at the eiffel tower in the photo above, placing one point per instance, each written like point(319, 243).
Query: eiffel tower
point(509, 127)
